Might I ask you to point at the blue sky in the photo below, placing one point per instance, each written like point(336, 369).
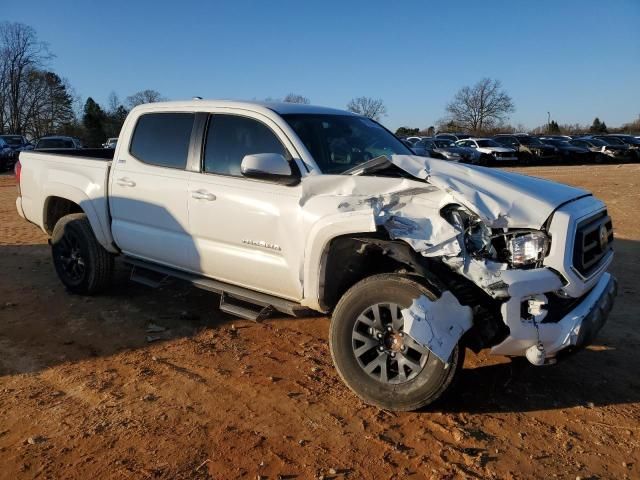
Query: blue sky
point(576, 59)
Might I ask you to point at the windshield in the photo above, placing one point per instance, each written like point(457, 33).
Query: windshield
point(340, 142)
point(596, 142)
point(487, 143)
point(13, 140)
point(443, 143)
point(612, 141)
point(425, 143)
point(556, 142)
point(529, 140)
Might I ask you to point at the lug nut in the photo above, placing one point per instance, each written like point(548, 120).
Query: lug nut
point(381, 348)
point(379, 335)
point(393, 354)
point(401, 334)
point(389, 329)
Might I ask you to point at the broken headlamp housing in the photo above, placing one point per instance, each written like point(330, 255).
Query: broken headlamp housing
point(527, 248)
point(518, 248)
point(476, 234)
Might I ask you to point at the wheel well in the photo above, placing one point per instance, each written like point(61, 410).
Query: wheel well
point(349, 259)
point(56, 208)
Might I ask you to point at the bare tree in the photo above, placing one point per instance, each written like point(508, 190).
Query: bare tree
point(144, 96)
point(296, 98)
point(113, 102)
point(481, 106)
point(22, 56)
point(367, 106)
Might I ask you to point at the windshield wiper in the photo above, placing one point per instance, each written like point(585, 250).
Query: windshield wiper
point(377, 163)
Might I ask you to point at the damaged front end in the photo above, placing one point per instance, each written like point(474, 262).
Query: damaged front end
point(505, 246)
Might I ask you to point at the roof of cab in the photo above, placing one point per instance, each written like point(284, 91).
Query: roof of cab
point(278, 107)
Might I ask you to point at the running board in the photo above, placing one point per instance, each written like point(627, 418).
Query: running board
point(146, 277)
point(232, 296)
point(243, 309)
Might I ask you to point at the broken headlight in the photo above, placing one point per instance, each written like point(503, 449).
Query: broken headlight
point(476, 234)
point(527, 248)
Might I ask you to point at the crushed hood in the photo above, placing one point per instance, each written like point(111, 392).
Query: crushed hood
point(502, 199)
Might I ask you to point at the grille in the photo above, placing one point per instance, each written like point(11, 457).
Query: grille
point(594, 238)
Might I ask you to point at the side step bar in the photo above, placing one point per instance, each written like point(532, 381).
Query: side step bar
point(243, 309)
point(235, 300)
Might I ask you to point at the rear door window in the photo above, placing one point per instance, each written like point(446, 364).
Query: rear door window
point(162, 139)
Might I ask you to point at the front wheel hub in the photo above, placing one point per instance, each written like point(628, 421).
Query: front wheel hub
point(382, 348)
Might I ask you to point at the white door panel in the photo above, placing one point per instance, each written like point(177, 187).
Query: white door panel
point(150, 218)
point(248, 235)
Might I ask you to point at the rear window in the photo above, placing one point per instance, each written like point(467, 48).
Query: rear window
point(55, 143)
point(162, 139)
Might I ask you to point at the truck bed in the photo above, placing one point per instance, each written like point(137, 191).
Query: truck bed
point(79, 176)
point(92, 153)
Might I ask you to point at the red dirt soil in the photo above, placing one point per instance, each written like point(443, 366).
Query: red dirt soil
point(84, 395)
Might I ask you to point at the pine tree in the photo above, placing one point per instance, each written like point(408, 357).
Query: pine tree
point(598, 127)
point(94, 121)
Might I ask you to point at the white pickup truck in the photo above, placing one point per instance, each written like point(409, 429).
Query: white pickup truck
point(291, 208)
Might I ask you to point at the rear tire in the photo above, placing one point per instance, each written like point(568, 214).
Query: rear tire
point(424, 378)
point(82, 264)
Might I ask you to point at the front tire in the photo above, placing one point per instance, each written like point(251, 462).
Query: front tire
point(82, 264)
point(374, 357)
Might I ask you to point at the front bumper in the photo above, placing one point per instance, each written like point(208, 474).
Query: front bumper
point(575, 329)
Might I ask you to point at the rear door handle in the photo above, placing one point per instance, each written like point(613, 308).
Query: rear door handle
point(125, 182)
point(203, 195)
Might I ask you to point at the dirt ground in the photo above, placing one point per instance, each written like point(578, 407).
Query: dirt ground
point(83, 394)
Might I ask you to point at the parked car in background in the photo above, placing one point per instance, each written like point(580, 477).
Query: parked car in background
point(17, 144)
point(530, 149)
point(426, 148)
point(413, 140)
point(490, 150)
point(453, 153)
point(58, 143)
point(7, 160)
point(619, 139)
point(570, 153)
point(454, 137)
point(606, 151)
point(555, 137)
point(110, 143)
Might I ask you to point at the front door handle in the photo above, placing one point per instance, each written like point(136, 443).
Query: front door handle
point(125, 182)
point(203, 195)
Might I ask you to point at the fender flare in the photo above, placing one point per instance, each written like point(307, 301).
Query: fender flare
point(90, 206)
point(320, 235)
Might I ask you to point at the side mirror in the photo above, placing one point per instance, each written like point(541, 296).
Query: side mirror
point(271, 167)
